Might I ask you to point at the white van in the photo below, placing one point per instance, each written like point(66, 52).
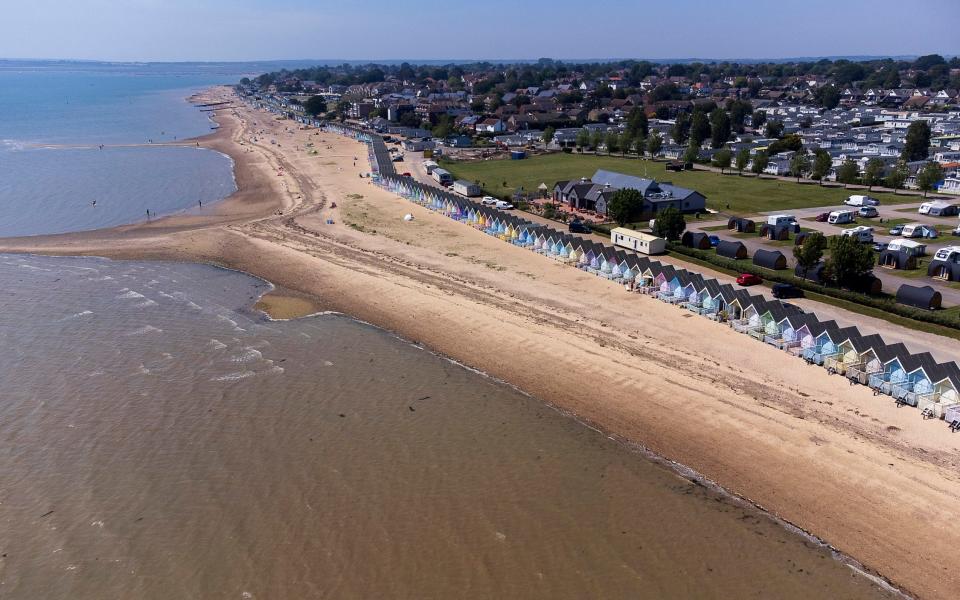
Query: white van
point(781, 220)
point(862, 234)
point(840, 217)
point(861, 200)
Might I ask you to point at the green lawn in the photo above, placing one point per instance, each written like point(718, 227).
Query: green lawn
point(726, 193)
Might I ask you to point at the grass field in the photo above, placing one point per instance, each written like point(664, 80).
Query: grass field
point(726, 193)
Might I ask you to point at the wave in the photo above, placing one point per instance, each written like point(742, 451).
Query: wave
point(144, 330)
point(235, 376)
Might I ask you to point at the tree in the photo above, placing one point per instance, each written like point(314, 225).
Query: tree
point(548, 134)
point(625, 205)
point(637, 122)
point(719, 128)
point(929, 176)
point(822, 162)
point(343, 108)
point(758, 118)
point(612, 141)
point(681, 129)
point(760, 161)
point(774, 129)
point(828, 96)
point(917, 144)
point(848, 173)
point(873, 173)
point(583, 139)
point(849, 259)
point(315, 105)
point(669, 224)
point(799, 164)
point(738, 109)
point(743, 159)
point(722, 159)
point(595, 138)
point(625, 142)
point(699, 128)
point(692, 153)
point(654, 144)
point(810, 252)
point(898, 176)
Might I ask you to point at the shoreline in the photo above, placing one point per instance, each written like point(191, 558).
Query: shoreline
point(440, 283)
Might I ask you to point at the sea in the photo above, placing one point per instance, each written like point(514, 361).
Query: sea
point(160, 438)
point(54, 118)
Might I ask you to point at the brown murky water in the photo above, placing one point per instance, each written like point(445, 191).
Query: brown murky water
point(159, 440)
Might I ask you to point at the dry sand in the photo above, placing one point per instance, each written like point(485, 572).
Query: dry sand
point(877, 482)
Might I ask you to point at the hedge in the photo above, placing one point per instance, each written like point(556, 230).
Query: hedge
point(883, 302)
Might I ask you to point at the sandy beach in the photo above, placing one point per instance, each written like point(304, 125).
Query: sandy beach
point(876, 482)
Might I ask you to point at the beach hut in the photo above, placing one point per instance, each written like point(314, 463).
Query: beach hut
point(825, 345)
point(893, 371)
point(770, 259)
point(924, 297)
point(734, 250)
point(945, 396)
point(695, 239)
point(868, 360)
point(750, 318)
point(919, 368)
point(789, 327)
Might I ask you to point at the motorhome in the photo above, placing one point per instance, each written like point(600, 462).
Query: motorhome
point(861, 200)
point(918, 230)
point(862, 234)
point(429, 166)
point(840, 217)
point(781, 220)
point(639, 242)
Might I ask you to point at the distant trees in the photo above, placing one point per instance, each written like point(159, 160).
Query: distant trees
point(681, 129)
point(548, 134)
point(692, 154)
point(774, 129)
point(822, 163)
point(637, 123)
point(898, 176)
point(809, 253)
point(625, 205)
point(654, 144)
point(582, 140)
point(792, 142)
point(743, 159)
point(722, 159)
point(799, 164)
point(873, 173)
point(738, 111)
point(828, 96)
point(699, 128)
point(612, 140)
point(848, 173)
point(625, 142)
point(315, 105)
point(669, 224)
point(760, 162)
point(758, 118)
point(928, 176)
point(917, 144)
point(719, 128)
point(595, 139)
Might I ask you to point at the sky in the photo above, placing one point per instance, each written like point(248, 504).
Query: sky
point(240, 30)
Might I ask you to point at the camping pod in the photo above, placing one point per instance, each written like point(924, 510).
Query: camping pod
point(770, 259)
point(695, 239)
point(924, 297)
point(814, 273)
point(734, 250)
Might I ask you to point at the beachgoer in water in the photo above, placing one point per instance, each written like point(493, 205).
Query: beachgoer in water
point(94, 203)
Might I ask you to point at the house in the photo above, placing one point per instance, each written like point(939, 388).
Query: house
point(656, 196)
point(490, 125)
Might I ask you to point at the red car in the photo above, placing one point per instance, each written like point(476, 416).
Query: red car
point(822, 217)
point(746, 279)
point(405, 175)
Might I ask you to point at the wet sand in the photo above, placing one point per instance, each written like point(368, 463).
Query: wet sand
point(876, 482)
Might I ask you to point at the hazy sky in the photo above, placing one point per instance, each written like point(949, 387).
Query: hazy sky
point(488, 29)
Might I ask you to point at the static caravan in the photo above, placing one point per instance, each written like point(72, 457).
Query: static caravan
point(466, 188)
point(442, 176)
point(637, 241)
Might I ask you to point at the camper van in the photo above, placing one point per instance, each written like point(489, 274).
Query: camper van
point(861, 200)
point(840, 217)
point(781, 220)
point(640, 242)
point(862, 234)
point(429, 166)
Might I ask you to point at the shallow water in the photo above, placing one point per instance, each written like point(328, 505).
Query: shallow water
point(160, 440)
point(51, 190)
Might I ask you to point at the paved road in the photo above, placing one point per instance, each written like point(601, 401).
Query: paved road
point(942, 348)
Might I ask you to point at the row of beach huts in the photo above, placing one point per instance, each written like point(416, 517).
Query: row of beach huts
point(889, 369)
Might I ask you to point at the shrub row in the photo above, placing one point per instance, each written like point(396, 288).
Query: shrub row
point(883, 302)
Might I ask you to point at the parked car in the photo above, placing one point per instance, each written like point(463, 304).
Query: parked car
point(786, 290)
point(879, 246)
point(715, 240)
point(578, 226)
point(896, 230)
point(503, 205)
point(488, 201)
point(956, 231)
point(746, 279)
point(868, 211)
point(822, 217)
point(405, 175)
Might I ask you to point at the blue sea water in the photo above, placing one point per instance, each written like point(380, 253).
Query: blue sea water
point(52, 190)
